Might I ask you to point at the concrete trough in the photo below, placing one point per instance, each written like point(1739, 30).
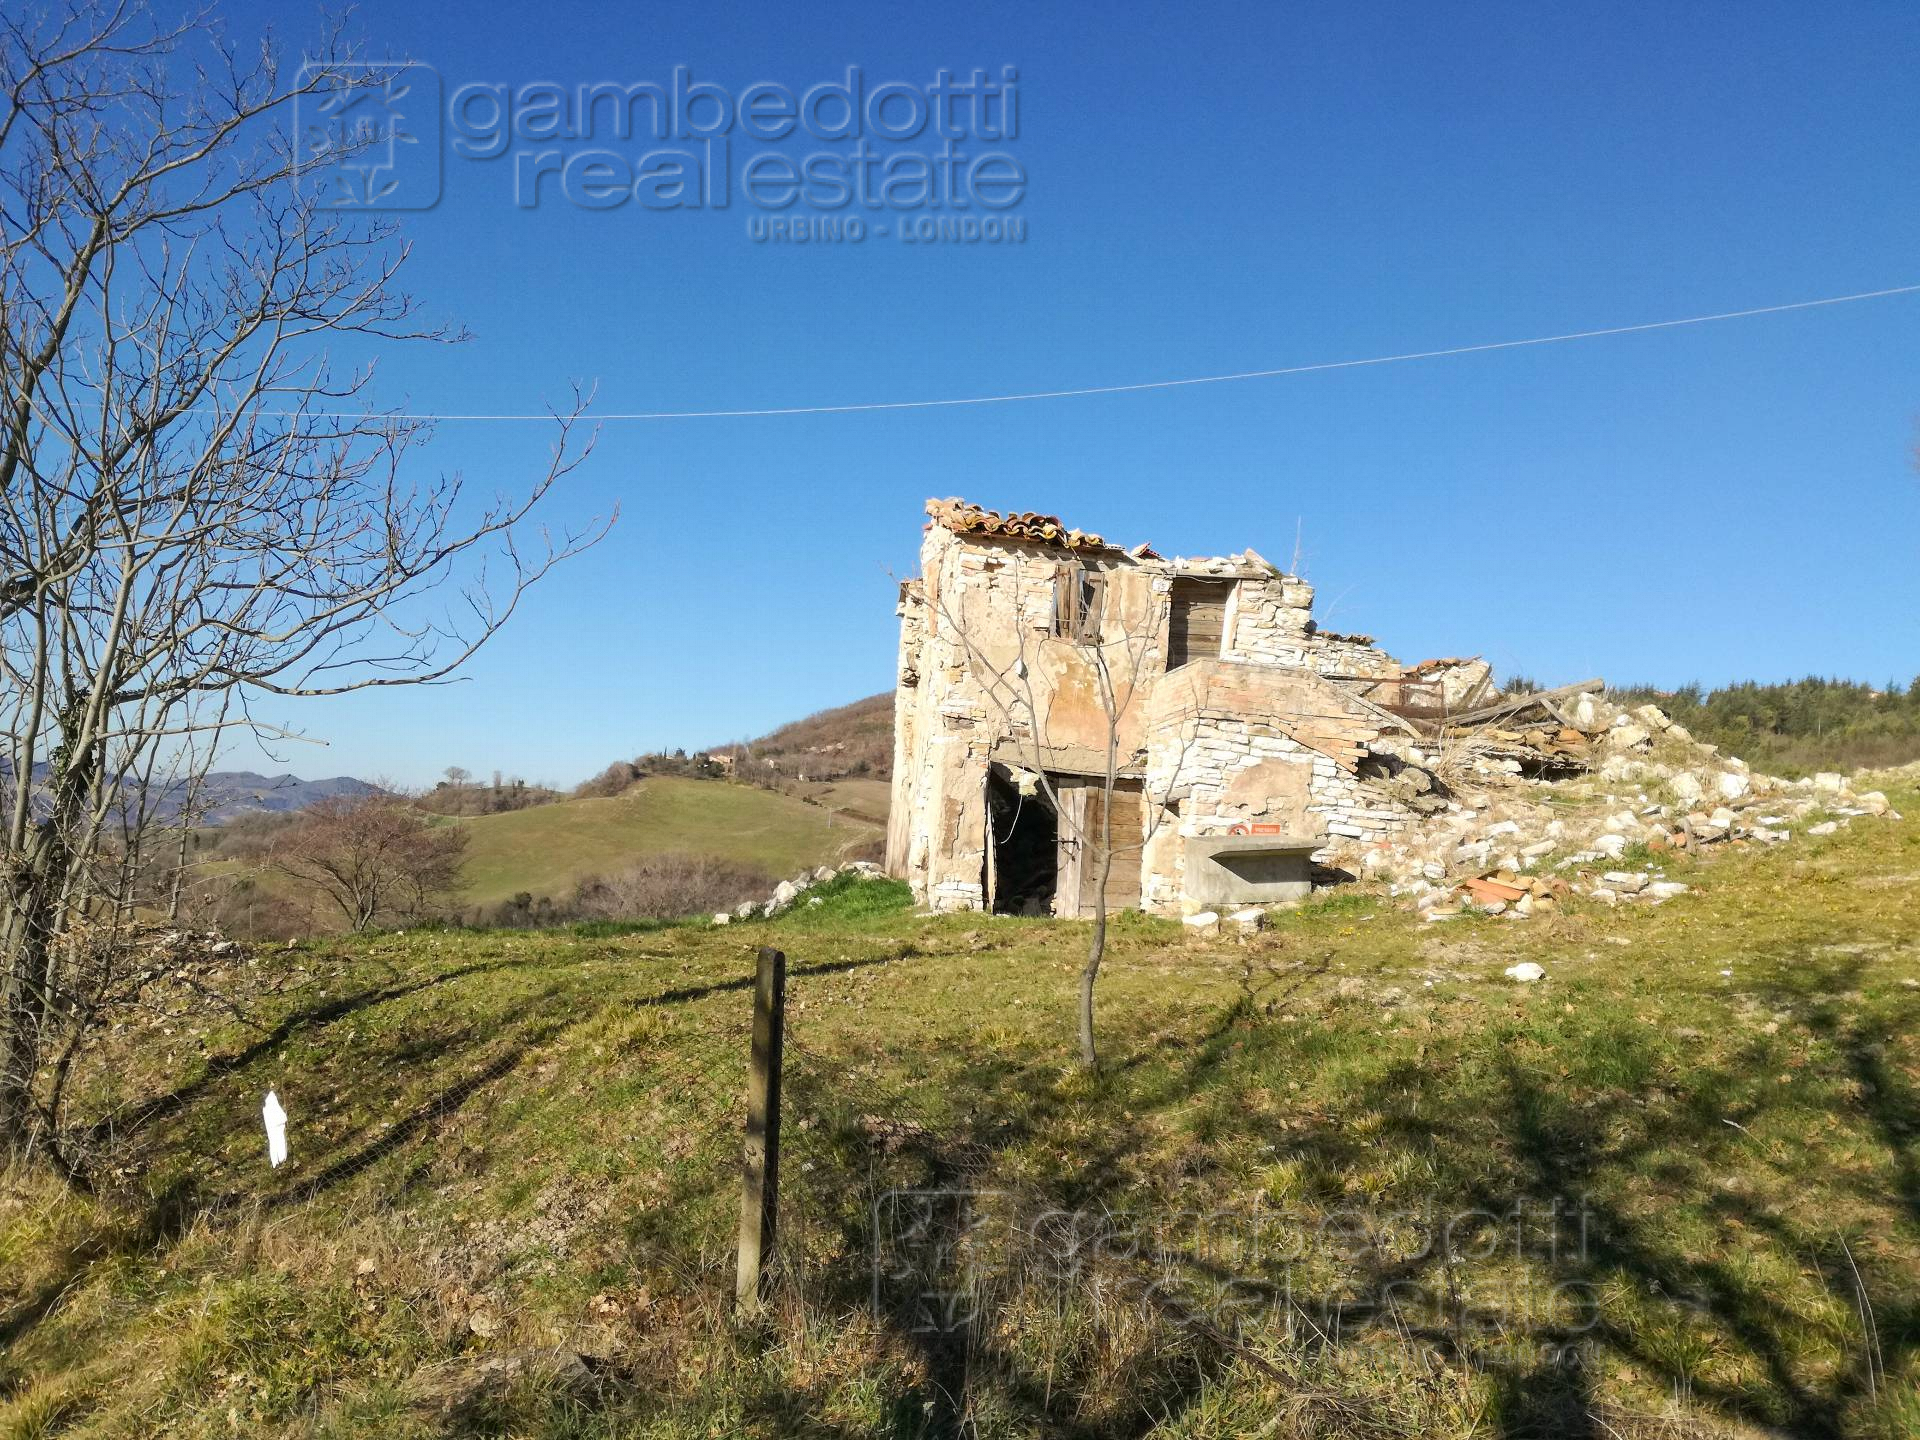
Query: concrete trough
point(1249, 869)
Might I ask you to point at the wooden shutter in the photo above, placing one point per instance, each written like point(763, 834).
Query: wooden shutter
point(1078, 595)
point(1198, 621)
point(1092, 595)
point(1129, 830)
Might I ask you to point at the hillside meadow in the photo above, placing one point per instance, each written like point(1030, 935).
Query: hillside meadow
point(1341, 1178)
point(547, 849)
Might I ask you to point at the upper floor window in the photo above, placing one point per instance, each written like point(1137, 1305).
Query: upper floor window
point(1199, 620)
point(1078, 594)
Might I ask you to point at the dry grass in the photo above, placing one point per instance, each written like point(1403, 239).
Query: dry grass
point(1292, 1190)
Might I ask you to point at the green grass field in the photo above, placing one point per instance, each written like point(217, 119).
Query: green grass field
point(547, 849)
point(862, 799)
point(1338, 1179)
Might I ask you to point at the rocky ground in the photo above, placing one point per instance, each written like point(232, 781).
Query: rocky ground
point(789, 893)
point(1514, 820)
point(1507, 844)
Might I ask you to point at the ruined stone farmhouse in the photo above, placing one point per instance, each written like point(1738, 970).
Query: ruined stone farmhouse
point(1243, 741)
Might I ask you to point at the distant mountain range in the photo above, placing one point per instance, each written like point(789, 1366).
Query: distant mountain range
point(227, 794)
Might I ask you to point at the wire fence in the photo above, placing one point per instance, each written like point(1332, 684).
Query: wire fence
point(874, 1179)
point(891, 1204)
point(873, 1173)
point(920, 1213)
point(901, 1213)
point(891, 1200)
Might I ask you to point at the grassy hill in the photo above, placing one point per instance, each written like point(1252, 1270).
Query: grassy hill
point(858, 799)
point(849, 740)
point(547, 849)
point(1342, 1178)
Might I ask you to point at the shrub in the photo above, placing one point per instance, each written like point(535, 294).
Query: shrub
point(666, 887)
point(609, 782)
point(373, 858)
point(459, 796)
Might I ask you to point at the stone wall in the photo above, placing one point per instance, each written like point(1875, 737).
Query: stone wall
point(1350, 655)
point(980, 668)
point(1270, 622)
point(1235, 743)
point(1255, 736)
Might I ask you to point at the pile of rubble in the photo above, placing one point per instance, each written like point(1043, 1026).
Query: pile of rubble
point(789, 893)
point(182, 945)
point(1566, 794)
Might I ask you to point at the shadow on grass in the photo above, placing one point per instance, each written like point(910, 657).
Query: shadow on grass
point(159, 1224)
point(129, 1123)
point(1687, 1305)
point(1504, 1122)
point(687, 994)
point(409, 1127)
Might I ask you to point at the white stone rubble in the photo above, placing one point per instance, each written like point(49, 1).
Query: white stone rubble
point(788, 893)
point(1654, 793)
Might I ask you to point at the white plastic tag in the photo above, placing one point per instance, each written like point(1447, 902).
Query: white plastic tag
point(276, 1120)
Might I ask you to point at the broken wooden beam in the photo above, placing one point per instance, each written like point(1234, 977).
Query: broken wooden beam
point(1514, 703)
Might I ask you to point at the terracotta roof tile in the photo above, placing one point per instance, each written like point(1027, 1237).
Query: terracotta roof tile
point(1427, 667)
point(964, 518)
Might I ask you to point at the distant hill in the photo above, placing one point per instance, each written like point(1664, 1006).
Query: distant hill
point(224, 795)
point(548, 849)
point(841, 758)
point(1797, 726)
point(850, 741)
point(229, 793)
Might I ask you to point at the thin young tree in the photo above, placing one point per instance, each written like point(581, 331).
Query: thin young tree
point(200, 509)
point(1117, 645)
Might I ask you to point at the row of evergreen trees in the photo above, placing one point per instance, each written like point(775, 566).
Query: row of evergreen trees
point(1799, 726)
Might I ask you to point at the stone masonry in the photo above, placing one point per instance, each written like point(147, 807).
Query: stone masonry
point(1031, 654)
point(1053, 685)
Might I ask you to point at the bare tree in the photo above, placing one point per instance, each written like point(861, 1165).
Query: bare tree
point(371, 857)
point(198, 508)
point(1117, 645)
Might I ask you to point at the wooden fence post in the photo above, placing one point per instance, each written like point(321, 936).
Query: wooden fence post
point(760, 1167)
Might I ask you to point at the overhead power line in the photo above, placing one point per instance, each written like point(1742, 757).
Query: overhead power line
point(1141, 385)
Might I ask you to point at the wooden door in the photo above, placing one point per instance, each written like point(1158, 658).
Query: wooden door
point(1084, 802)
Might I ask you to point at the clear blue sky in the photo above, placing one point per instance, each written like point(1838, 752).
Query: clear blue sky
point(1212, 188)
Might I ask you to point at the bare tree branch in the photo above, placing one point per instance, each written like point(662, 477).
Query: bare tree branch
point(198, 507)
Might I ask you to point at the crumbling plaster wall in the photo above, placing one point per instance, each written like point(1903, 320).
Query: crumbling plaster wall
point(1237, 743)
point(980, 665)
point(1253, 736)
point(992, 609)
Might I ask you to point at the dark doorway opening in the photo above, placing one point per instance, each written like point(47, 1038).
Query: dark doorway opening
point(1026, 848)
